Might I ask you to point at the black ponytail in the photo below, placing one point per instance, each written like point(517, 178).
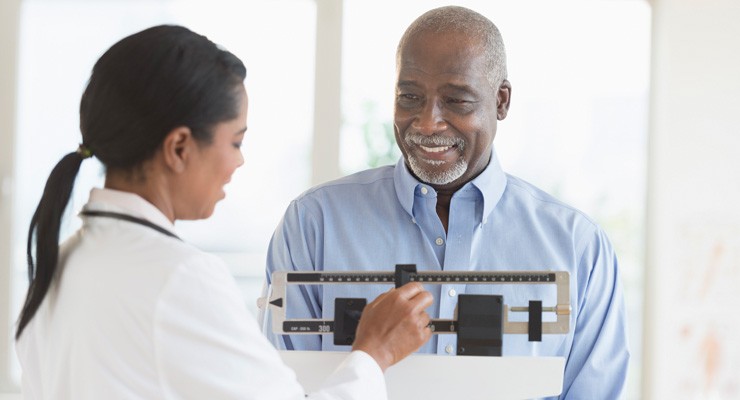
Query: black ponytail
point(45, 225)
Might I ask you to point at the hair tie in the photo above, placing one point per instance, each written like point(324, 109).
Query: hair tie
point(84, 151)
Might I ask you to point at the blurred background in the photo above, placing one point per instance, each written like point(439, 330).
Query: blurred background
point(626, 109)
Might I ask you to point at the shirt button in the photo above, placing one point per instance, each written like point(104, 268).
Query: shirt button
point(452, 292)
point(424, 190)
point(448, 349)
point(439, 241)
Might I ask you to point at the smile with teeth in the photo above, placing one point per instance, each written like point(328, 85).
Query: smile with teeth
point(438, 149)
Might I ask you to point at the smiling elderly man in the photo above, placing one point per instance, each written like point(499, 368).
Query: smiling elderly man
point(448, 206)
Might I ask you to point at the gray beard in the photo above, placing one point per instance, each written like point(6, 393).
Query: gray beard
point(418, 166)
point(437, 178)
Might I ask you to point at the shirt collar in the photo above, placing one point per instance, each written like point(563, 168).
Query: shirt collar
point(490, 184)
point(127, 203)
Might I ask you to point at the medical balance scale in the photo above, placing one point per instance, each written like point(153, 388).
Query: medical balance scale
point(481, 321)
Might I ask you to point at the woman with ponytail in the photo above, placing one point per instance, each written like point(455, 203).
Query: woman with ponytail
point(124, 309)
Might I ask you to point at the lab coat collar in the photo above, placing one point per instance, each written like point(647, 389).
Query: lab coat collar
point(127, 203)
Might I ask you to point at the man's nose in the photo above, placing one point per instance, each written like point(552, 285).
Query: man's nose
point(430, 119)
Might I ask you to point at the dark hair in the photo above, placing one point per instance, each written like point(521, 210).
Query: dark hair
point(143, 87)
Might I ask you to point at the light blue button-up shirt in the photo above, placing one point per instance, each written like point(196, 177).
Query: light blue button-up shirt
point(375, 219)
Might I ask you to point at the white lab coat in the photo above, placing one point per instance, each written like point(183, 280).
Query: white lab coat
point(136, 314)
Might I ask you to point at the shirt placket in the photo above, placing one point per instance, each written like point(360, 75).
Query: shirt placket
point(457, 248)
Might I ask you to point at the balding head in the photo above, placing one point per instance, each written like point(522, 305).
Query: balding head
point(454, 19)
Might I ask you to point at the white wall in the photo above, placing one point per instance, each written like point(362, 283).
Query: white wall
point(693, 239)
point(9, 18)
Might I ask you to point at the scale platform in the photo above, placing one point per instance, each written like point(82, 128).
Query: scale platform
point(433, 377)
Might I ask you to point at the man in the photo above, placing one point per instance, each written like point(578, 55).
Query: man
point(447, 205)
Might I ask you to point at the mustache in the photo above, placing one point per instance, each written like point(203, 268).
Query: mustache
point(418, 139)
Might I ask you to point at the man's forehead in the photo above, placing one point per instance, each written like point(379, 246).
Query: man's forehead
point(447, 81)
point(441, 48)
point(454, 39)
point(452, 59)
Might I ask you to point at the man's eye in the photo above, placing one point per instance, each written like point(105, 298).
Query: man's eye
point(460, 105)
point(407, 99)
point(237, 145)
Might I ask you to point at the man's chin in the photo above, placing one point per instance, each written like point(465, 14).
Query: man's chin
point(437, 173)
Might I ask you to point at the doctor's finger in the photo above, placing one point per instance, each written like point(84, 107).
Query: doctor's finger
point(410, 290)
point(421, 301)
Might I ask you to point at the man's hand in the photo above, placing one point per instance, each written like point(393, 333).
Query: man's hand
point(395, 324)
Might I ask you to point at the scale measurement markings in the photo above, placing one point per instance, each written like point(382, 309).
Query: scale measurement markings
point(320, 327)
point(308, 326)
point(431, 277)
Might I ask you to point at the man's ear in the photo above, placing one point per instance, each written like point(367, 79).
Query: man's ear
point(503, 98)
point(176, 148)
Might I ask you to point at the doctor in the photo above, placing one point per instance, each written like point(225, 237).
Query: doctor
point(124, 308)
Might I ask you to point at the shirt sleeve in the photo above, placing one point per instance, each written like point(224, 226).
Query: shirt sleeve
point(208, 346)
point(599, 357)
point(294, 247)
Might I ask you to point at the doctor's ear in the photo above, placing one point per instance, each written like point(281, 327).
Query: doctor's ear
point(176, 148)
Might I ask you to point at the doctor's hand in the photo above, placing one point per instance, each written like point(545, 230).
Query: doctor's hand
point(394, 325)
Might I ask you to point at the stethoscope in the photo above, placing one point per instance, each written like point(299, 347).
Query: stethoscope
point(129, 218)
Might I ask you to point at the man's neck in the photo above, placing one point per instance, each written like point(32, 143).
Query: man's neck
point(444, 198)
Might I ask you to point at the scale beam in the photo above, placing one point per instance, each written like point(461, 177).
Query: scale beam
point(277, 301)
